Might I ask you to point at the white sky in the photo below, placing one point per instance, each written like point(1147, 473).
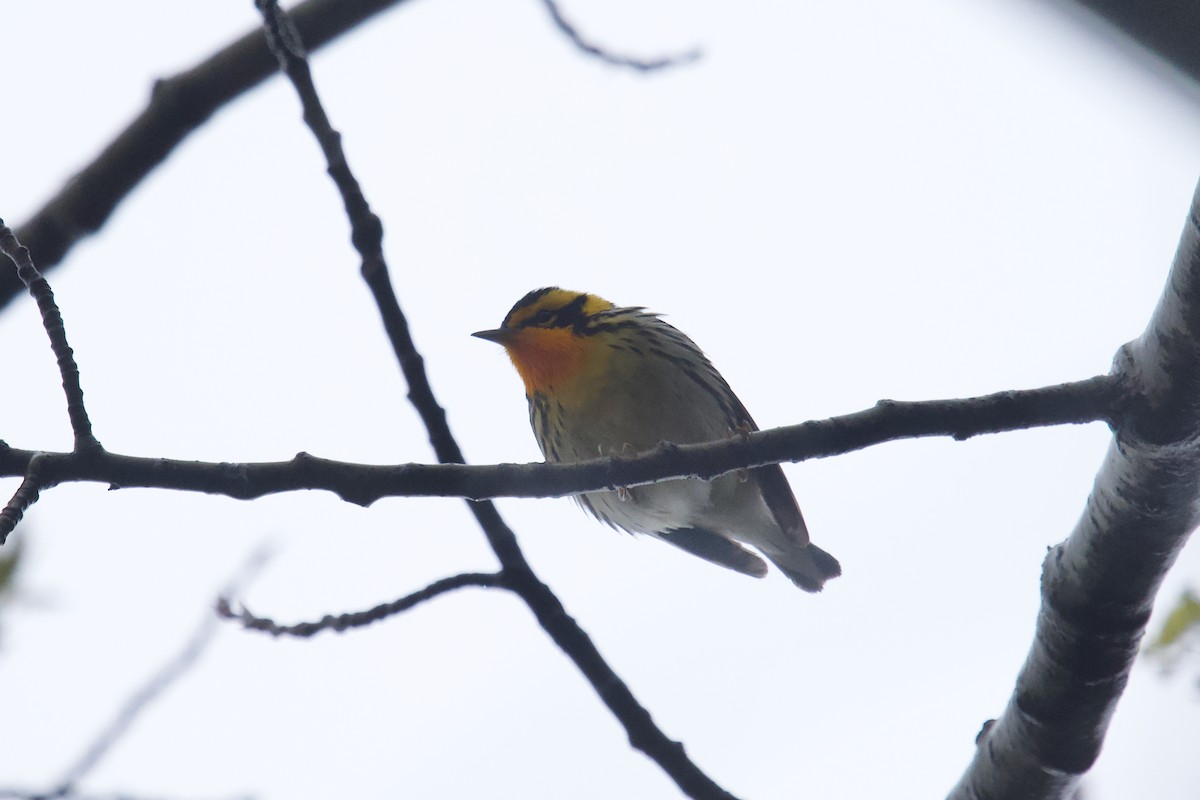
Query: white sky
point(841, 202)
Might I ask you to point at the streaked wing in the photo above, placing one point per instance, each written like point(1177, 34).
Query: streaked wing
point(776, 490)
point(778, 494)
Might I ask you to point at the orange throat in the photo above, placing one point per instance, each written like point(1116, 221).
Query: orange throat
point(548, 360)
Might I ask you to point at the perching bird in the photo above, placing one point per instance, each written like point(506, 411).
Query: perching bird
point(603, 380)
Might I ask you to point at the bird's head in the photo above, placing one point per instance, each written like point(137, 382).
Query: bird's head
point(550, 336)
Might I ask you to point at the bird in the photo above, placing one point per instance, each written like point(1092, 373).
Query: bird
point(605, 380)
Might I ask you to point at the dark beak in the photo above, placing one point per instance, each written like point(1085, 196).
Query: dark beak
point(498, 336)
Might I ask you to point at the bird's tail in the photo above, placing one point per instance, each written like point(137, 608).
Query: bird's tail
point(808, 567)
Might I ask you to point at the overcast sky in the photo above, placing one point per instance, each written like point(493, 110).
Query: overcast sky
point(839, 203)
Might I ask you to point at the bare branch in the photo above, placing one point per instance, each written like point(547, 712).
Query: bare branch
point(1097, 399)
point(642, 65)
point(52, 321)
point(359, 619)
point(26, 495)
point(643, 733)
point(1099, 586)
point(86, 443)
point(366, 229)
point(178, 106)
point(133, 708)
point(1167, 28)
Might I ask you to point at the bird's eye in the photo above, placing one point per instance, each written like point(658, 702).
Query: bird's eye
point(543, 317)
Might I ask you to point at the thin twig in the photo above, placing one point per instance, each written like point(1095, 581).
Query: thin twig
point(642, 65)
point(564, 631)
point(358, 619)
point(366, 230)
point(1102, 398)
point(154, 688)
point(26, 495)
point(52, 321)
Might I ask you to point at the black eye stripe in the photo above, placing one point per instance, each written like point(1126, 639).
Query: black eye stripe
point(526, 302)
point(569, 316)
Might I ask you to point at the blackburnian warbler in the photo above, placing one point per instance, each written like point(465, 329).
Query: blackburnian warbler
point(603, 380)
